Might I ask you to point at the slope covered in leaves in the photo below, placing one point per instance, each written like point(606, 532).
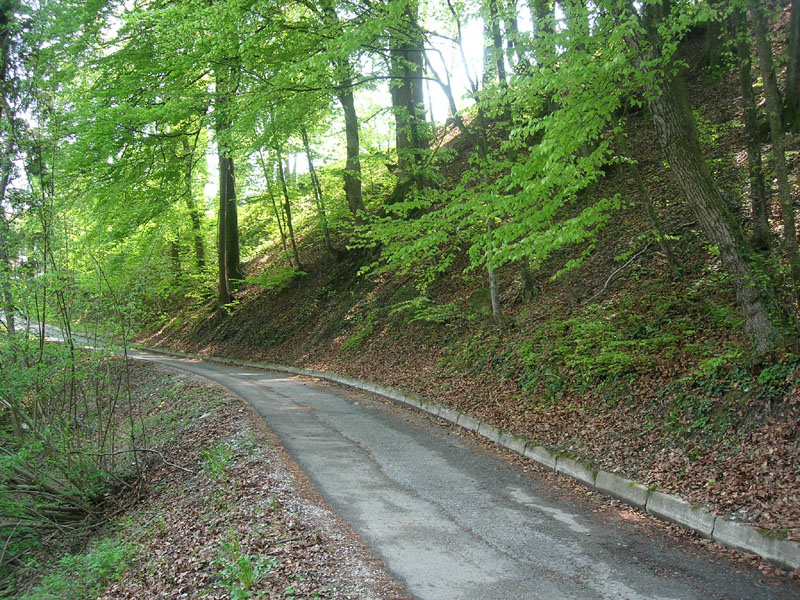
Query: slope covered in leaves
point(616, 361)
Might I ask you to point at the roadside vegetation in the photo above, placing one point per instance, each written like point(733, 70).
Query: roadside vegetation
point(214, 510)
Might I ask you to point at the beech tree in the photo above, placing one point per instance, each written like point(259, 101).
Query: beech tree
point(668, 101)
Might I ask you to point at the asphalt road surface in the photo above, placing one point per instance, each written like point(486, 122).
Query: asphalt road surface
point(452, 522)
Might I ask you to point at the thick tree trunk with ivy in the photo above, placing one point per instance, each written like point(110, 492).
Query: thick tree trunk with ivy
point(755, 170)
point(790, 245)
point(674, 121)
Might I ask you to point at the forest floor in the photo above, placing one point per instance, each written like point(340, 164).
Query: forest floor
point(235, 518)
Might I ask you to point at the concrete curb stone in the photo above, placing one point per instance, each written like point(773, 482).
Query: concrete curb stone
point(490, 432)
point(468, 422)
point(449, 414)
point(513, 442)
point(750, 539)
point(658, 504)
point(673, 509)
point(576, 470)
point(623, 489)
point(541, 455)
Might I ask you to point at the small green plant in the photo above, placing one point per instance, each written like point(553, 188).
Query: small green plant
point(217, 460)
point(423, 310)
point(240, 572)
point(356, 340)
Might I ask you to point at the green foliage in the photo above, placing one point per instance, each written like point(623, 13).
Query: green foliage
point(364, 331)
point(276, 278)
point(422, 310)
point(85, 576)
point(240, 572)
point(217, 460)
point(704, 405)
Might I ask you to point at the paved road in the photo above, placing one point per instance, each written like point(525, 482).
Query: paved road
point(452, 522)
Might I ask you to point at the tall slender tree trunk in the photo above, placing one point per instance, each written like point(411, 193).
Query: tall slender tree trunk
point(755, 170)
point(7, 300)
point(194, 213)
point(777, 133)
point(287, 207)
point(278, 219)
point(223, 286)
point(528, 282)
point(792, 99)
point(494, 287)
point(650, 209)
point(712, 53)
point(228, 197)
point(544, 47)
point(674, 121)
point(323, 217)
point(494, 61)
point(7, 140)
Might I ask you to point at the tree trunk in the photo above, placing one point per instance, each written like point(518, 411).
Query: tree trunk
point(712, 53)
point(764, 48)
point(494, 288)
point(323, 218)
point(528, 282)
point(755, 169)
point(175, 255)
point(228, 196)
point(352, 173)
point(278, 219)
point(511, 25)
point(287, 207)
point(194, 213)
point(7, 300)
point(544, 47)
point(408, 103)
point(493, 54)
point(228, 225)
point(223, 288)
point(792, 99)
point(674, 121)
point(7, 140)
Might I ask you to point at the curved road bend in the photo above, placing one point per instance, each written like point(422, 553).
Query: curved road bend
point(453, 523)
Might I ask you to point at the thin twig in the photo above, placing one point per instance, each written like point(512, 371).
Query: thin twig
point(610, 277)
point(156, 452)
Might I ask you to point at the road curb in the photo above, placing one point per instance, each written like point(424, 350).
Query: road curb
point(663, 506)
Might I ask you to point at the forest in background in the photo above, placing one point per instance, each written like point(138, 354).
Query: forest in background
point(541, 212)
